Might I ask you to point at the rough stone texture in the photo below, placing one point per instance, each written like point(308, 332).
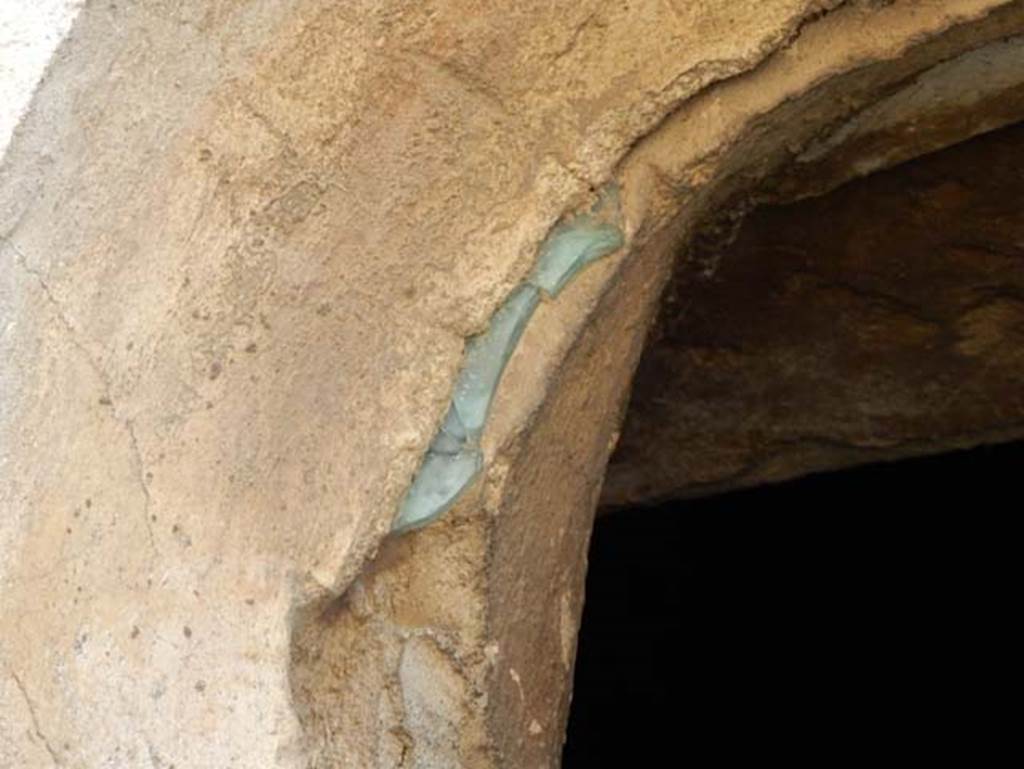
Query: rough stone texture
point(242, 244)
point(882, 320)
point(966, 95)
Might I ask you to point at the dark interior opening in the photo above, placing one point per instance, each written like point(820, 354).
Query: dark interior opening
point(882, 320)
point(865, 613)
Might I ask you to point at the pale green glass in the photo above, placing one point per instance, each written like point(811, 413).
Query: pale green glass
point(570, 248)
point(454, 459)
point(437, 486)
point(486, 356)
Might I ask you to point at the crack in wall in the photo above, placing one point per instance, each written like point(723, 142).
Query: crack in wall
point(106, 398)
point(718, 73)
point(37, 729)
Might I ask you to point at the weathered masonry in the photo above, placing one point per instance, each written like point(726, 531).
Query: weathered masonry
point(280, 276)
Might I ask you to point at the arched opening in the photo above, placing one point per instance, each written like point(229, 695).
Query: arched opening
point(243, 252)
point(881, 321)
point(483, 606)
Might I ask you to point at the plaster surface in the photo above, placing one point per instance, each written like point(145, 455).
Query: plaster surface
point(242, 248)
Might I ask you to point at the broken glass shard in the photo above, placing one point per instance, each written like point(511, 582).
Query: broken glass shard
point(486, 356)
point(570, 248)
point(436, 487)
point(573, 245)
point(454, 458)
point(451, 438)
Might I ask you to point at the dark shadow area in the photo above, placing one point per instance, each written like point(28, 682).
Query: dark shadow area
point(861, 614)
point(883, 319)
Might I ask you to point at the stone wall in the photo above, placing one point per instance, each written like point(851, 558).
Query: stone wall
point(243, 245)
